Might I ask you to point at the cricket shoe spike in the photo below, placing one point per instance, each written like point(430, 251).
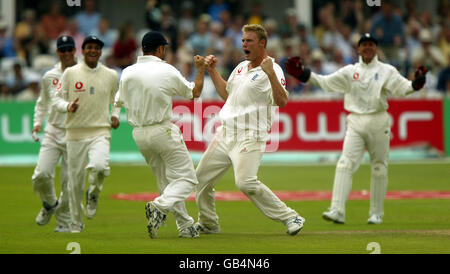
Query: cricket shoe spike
point(204, 229)
point(91, 205)
point(189, 232)
point(294, 225)
point(155, 218)
point(62, 229)
point(75, 228)
point(334, 216)
point(45, 213)
point(375, 220)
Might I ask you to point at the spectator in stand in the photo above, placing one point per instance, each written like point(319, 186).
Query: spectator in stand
point(428, 53)
point(73, 31)
point(169, 26)
point(125, 48)
point(16, 81)
point(290, 22)
point(388, 29)
point(6, 42)
point(304, 36)
point(255, 16)
point(153, 15)
point(53, 22)
point(5, 95)
point(200, 40)
point(444, 40)
point(31, 92)
point(89, 19)
point(186, 23)
point(235, 31)
point(274, 43)
point(216, 8)
point(443, 84)
point(24, 35)
point(105, 33)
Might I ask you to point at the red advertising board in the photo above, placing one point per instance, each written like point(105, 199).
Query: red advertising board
point(318, 125)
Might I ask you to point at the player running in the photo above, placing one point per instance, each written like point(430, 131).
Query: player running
point(53, 146)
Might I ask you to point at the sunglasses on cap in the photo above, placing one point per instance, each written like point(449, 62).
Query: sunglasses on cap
point(66, 49)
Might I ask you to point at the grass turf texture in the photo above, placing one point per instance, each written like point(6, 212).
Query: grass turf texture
point(410, 226)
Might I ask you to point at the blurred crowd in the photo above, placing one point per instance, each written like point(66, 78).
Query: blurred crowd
point(408, 37)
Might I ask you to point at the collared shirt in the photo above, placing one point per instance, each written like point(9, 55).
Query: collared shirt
point(95, 88)
point(146, 90)
point(250, 106)
point(49, 84)
point(366, 86)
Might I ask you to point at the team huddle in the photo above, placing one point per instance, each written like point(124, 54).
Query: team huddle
point(77, 98)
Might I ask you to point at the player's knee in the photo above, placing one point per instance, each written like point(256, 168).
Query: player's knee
point(247, 186)
point(345, 164)
point(42, 177)
point(379, 170)
point(99, 169)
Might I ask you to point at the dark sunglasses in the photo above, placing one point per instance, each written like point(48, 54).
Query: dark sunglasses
point(66, 49)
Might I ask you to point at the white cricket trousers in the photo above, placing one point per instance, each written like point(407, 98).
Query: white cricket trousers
point(245, 157)
point(87, 155)
point(371, 132)
point(53, 148)
point(165, 152)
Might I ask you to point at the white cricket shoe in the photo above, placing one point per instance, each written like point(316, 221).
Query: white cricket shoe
point(294, 225)
point(334, 216)
point(375, 220)
point(45, 214)
point(189, 232)
point(74, 228)
point(91, 205)
point(204, 229)
point(155, 218)
point(62, 229)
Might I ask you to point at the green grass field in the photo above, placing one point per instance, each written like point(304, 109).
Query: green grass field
point(410, 226)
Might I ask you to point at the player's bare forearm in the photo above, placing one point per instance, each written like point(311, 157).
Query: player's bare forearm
point(279, 93)
point(219, 83)
point(199, 77)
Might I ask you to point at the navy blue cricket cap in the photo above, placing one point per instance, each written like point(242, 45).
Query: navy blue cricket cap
point(92, 39)
point(152, 40)
point(367, 37)
point(65, 42)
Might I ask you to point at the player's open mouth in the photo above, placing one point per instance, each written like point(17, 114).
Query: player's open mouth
point(246, 52)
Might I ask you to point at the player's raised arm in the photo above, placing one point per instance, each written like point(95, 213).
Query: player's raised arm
point(280, 96)
point(199, 63)
point(219, 83)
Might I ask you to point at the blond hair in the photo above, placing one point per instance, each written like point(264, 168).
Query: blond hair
point(258, 29)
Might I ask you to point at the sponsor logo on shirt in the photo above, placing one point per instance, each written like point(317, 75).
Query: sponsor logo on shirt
point(92, 90)
point(55, 82)
point(79, 87)
point(255, 77)
point(240, 70)
point(356, 76)
point(283, 82)
point(376, 76)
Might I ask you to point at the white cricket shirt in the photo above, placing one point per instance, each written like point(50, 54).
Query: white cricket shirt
point(146, 90)
point(95, 88)
point(249, 109)
point(366, 86)
point(49, 85)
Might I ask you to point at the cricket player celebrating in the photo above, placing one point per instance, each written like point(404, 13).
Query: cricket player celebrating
point(146, 90)
point(53, 145)
point(252, 91)
point(87, 91)
point(366, 86)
